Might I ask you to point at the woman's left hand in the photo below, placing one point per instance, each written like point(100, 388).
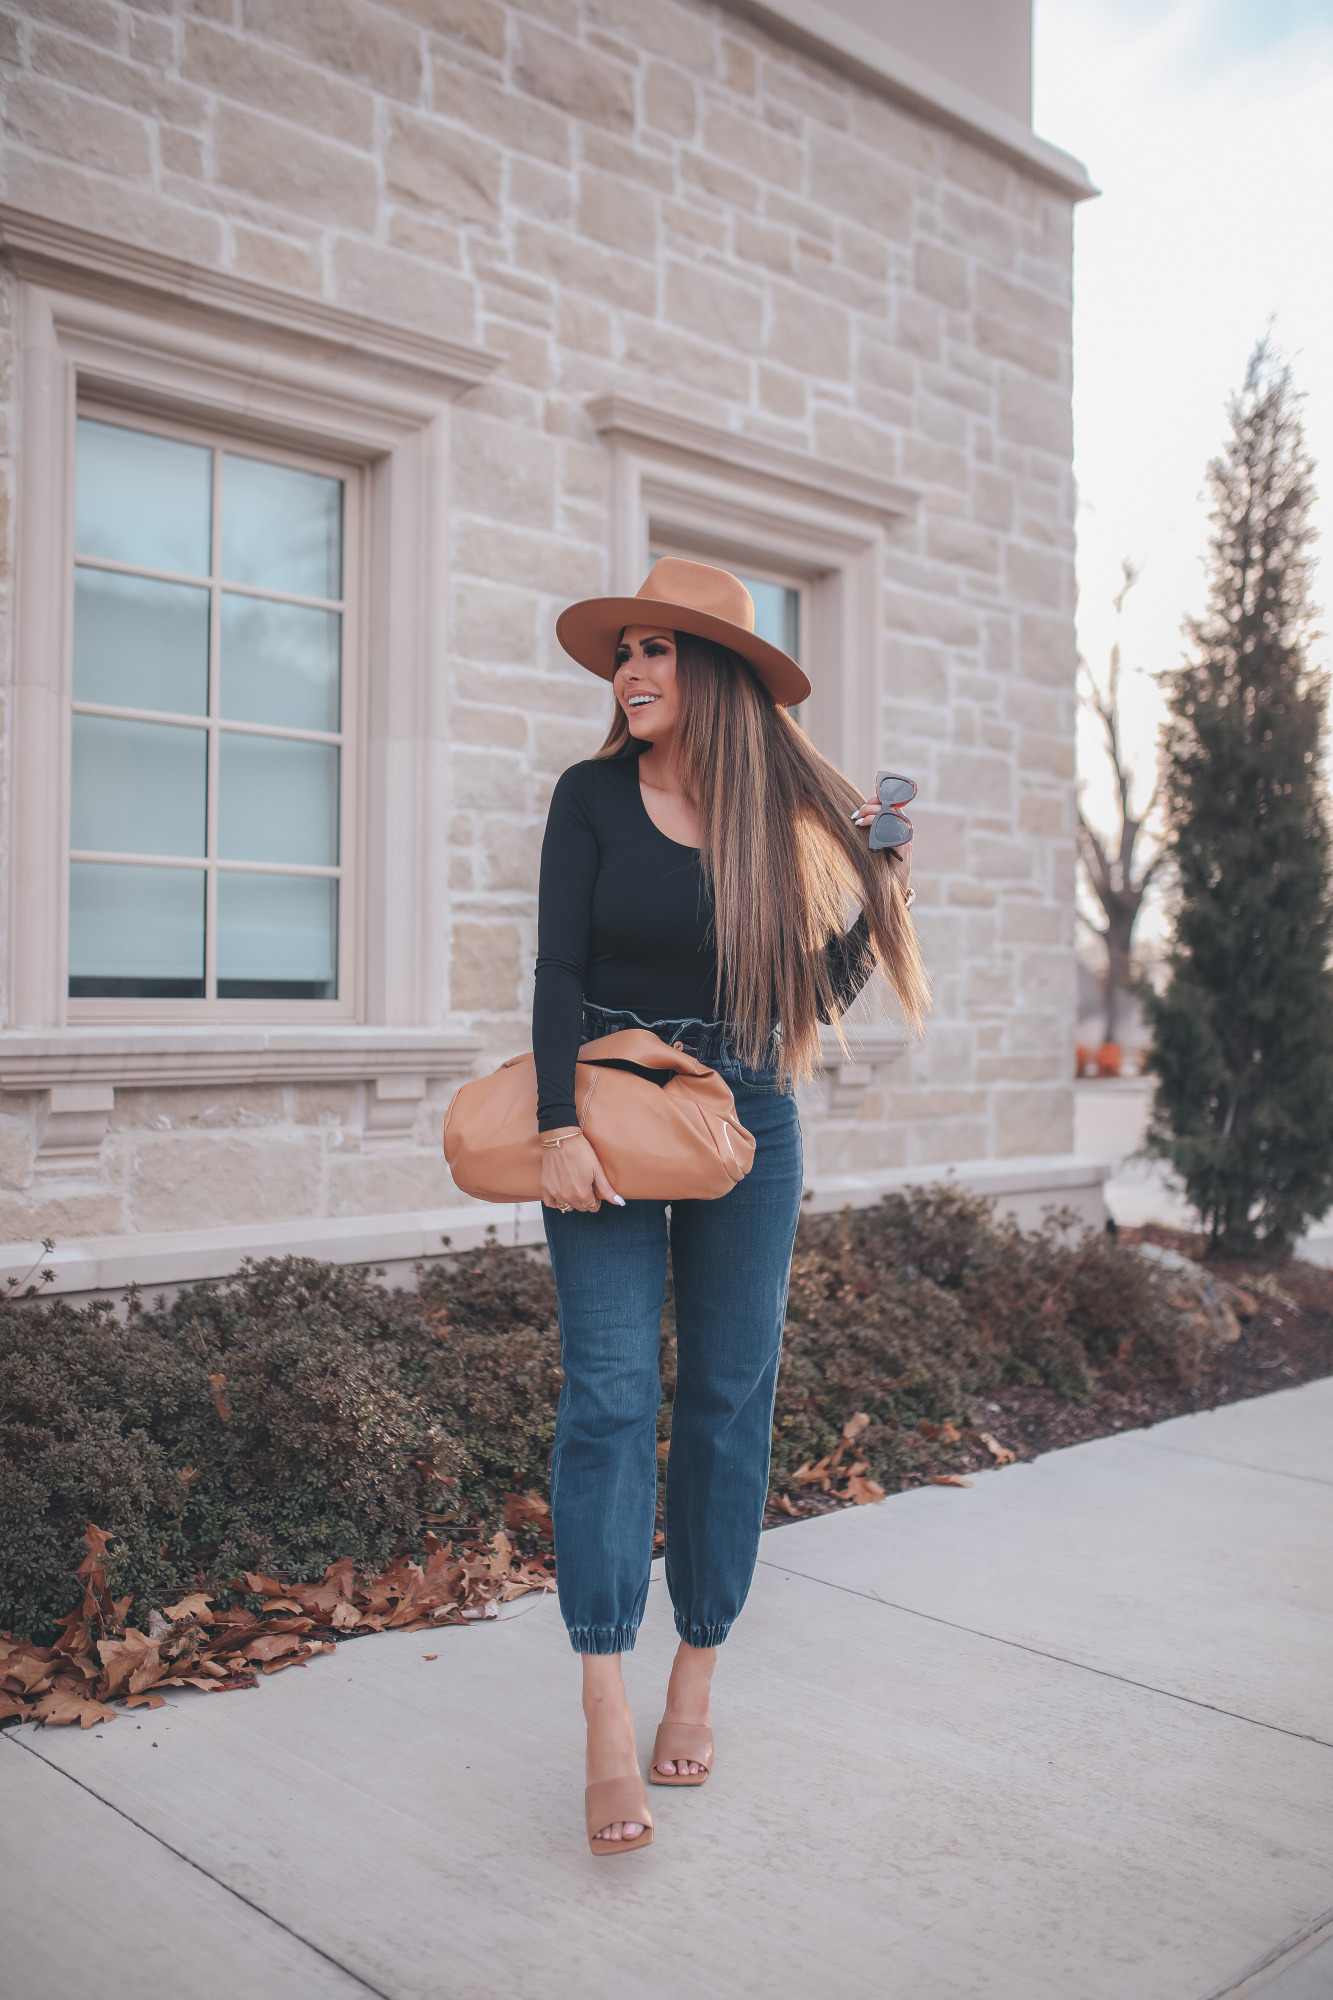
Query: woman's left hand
point(900, 858)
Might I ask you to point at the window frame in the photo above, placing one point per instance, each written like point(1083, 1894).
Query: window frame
point(349, 739)
point(722, 496)
point(113, 322)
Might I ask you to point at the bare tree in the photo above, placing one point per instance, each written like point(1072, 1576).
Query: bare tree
point(1108, 864)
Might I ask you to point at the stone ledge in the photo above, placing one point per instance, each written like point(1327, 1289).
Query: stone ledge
point(1024, 1187)
point(73, 1074)
point(178, 1257)
point(93, 1264)
point(158, 1058)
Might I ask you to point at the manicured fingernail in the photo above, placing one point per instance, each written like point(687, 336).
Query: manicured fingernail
point(619, 1200)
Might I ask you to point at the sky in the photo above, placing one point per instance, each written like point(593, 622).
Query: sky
point(1208, 126)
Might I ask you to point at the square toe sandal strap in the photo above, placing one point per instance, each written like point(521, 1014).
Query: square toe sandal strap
point(691, 1741)
point(613, 1799)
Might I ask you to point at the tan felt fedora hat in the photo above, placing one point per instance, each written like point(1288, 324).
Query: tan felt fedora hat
point(687, 597)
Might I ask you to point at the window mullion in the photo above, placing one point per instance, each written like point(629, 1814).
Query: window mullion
point(214, 758)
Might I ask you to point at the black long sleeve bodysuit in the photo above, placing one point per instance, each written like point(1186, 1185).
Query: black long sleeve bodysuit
point(625, 920)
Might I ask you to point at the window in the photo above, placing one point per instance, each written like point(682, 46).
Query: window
point(262, 384)
point(777, 613)
point(817, 529)
point(210, 690)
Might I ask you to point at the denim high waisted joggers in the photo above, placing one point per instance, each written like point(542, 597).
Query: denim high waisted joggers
point(730, 1261)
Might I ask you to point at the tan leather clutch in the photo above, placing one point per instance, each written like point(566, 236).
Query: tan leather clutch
point(678, 1141)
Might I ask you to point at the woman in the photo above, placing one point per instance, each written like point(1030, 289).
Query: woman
point(695, 879)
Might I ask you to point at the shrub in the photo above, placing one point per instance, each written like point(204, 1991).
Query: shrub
point(916, 1308)
point(260, 1424)
point(299, 1413)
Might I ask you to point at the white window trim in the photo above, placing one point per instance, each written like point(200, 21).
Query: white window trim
point(148, 333)
point(695, 488)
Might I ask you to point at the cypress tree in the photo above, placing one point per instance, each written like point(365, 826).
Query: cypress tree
point(1243, 1031)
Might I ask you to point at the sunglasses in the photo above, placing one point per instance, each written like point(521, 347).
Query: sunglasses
point(891, 826)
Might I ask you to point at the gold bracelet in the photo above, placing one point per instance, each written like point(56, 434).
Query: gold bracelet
point(550, 1145)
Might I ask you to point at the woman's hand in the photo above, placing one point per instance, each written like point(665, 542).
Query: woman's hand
point(572, 1174)
point(900, 858)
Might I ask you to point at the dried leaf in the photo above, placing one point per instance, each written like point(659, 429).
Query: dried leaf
point(98, 1544)
point(502, 1555)
point(25, 1676)
point(11, 1705)
point(195, 1606)
point(816, 1475)
point(1000, 1453)
point(947, 1479)
point(346, 1617)
point(928, 1430)
point(785, 1504)
point(863, 1491)
point(121, 1660)
point(529, 1507)
point(338, 1576)
point(146, 1701)
point(949, 1433)
point(217, 1384)
point(855, 1425)
point(272, 1646)
point(63, 1705)
point(263, 1586)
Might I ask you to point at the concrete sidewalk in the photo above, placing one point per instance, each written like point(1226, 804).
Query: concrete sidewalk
point(1067, 1735)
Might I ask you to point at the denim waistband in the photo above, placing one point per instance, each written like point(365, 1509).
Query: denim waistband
point(711, 1042)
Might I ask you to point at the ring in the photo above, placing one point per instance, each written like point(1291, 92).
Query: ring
point(565, 1207)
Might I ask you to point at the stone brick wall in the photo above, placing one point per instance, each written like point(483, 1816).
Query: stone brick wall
point(658, 197)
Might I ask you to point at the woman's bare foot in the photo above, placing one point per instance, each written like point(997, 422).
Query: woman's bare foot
point(687, 1699)
point(612, 1752)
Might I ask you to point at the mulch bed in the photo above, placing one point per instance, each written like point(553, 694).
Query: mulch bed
point(222, 1486)
point(1286, 1341)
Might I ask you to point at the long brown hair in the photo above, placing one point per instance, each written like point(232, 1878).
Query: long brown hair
point(781, 856)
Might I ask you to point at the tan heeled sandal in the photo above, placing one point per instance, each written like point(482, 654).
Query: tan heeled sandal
point(612, 1799)
point(682, 1743)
